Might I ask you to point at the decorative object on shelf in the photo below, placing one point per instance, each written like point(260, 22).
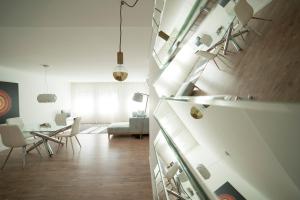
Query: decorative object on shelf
point(196, 113)
point(9, 101)
point(120, 72)
point(45, 125)
point(139, 97)
point(203, 171)
point(46, 97)
point(228, 192)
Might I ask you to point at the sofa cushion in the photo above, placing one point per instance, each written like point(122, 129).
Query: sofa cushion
point(118, 128)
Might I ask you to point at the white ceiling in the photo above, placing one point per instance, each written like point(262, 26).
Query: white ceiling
point(77, 38)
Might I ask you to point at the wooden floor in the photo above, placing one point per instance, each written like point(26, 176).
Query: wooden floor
point(268, 68)
point(113, 170)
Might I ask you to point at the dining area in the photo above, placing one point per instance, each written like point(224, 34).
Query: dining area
point(42, 138)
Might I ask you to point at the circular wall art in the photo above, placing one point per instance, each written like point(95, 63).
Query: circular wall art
point(226, 197)
point(5, 103)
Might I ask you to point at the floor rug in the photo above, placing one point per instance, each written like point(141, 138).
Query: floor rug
point(93, 128)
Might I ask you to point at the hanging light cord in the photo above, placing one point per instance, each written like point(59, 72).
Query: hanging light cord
point(46, 81)
point(121, 19)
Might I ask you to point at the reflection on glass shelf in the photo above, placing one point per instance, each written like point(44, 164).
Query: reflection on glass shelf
point(176, 19)
point(177, 182)
point(220, 147)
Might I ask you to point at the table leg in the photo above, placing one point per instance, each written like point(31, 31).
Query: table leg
point(48, 147)
point(224, 39)
point(35, 146)
point(235, 44)
point(228, 36)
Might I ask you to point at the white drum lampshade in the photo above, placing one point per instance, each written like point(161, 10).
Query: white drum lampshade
point(46, 98)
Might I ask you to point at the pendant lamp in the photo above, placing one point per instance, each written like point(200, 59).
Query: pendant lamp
point(120, 72)
point(46, 97)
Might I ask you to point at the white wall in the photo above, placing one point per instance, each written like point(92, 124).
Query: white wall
point(30, 85)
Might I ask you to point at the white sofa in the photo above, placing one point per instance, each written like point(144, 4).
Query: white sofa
point(135, 126)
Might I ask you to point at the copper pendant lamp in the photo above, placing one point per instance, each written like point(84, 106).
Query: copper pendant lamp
point(120, 72)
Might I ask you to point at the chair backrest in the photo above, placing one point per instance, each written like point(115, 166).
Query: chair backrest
point(12, 136)
point(76, 126)
point(61, 119)
point(15, 121)
point(243, 11)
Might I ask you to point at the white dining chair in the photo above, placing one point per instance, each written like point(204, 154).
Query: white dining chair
point(244, 13)
point(13, 137)
point(61, 119)
point(71, 134)
point(212, 56)
point(19, 122)
point(15, 121)
point(204, 39)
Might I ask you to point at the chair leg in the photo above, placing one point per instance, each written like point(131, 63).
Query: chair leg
point(216, 64)
point(58, 147)
point(242, 36)
point(205, 65)
point(258, 18)
point(66, 142)
point(223, 60)
point(72, 144)
point(78, 141)
point(24, 156)
point(7, 157)
point(255, 31)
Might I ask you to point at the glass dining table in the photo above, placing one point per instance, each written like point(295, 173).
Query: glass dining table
point(46, 134)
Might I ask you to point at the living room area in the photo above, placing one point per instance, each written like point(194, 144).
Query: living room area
point(98, 164)
point(57, 84)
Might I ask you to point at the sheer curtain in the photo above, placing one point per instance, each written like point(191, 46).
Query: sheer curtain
point(105, 102)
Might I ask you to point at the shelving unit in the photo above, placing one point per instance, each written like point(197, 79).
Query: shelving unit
point(228, 136)
point(183, 182)
point(250, 145)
